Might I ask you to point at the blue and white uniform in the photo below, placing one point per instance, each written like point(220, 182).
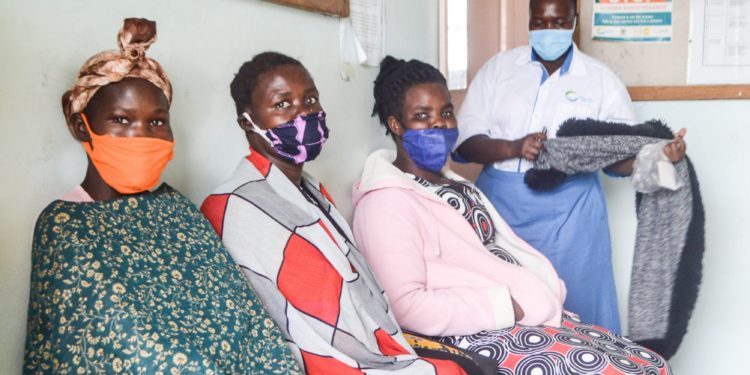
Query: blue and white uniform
point(513, 95)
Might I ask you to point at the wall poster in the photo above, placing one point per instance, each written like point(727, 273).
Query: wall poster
point(632, 20)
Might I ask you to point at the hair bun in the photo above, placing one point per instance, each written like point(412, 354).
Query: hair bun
point(135, 37)
point(388, 65)
point(389, 62)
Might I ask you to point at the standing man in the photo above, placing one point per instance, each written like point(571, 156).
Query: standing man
point(517, 99)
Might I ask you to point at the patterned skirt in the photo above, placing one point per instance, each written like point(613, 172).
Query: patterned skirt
point(572, 348)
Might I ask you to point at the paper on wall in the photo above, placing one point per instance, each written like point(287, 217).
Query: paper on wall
point(350, 51)
point(368, 22)
point(719, 51)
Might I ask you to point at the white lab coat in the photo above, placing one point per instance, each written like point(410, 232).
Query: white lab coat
point(506, 101)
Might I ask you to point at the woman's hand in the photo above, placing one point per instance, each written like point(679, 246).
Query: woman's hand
point(517, 310)
point(675, 150)
point(529, 146)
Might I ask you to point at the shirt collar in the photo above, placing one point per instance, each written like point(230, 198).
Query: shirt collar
point(563, 69)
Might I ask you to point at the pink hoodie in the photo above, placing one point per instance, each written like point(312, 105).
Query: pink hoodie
point(438, 275)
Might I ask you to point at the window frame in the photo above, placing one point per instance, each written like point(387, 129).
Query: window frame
point(492, 26)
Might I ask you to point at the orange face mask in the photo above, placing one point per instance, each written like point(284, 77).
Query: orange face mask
point(128, 165)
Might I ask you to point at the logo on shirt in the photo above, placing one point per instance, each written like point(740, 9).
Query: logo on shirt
point(573, 96)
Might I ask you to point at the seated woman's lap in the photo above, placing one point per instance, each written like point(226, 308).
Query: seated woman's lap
point(574, 347)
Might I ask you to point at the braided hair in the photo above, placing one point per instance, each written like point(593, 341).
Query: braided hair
point(246, 79)
point(395, 78)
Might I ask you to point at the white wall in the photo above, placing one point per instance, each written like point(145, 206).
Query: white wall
point(201, 44)
point(717, 339)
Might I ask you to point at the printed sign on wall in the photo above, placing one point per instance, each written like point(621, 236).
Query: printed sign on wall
point(632, 20)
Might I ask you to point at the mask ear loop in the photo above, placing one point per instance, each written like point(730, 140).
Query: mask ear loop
point(256, 129)
point(404, 129)
point(88, 129)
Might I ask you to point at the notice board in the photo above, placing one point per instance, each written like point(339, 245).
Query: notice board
point(656, 70)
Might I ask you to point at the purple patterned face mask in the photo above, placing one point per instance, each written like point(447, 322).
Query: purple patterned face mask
point(298, 140)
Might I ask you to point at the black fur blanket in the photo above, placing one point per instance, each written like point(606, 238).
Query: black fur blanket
point(667, 262)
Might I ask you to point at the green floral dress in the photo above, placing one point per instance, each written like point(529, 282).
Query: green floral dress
point(142, 284)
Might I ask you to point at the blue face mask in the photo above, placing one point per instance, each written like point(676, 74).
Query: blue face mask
point(429, 148)
point(550, 44)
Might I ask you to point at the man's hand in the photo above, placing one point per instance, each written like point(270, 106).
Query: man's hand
point(675, 150)
point(529, 146)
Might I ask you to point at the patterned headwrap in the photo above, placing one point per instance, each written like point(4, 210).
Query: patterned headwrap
point(112, 66)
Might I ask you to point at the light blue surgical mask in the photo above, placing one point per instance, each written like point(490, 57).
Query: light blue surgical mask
point(550, 44)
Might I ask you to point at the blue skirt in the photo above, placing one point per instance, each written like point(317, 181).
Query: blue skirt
point(568, 225)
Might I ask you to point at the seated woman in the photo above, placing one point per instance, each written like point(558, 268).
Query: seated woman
point(298, 252)
point(449, 263)
point(125, 279)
